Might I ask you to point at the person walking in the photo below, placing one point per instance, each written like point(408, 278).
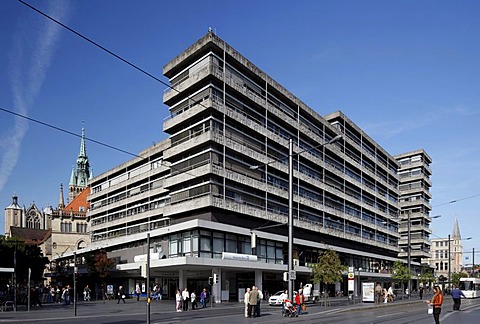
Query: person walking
point(252, 301)
point(378, 292)
point(86, 293)
point(391, 296)
point(138, 292)
point(121, 295)
point(203, 298)
point(436, 302)
point(260, 297)
point(178, 301)
point(66, 295)
point(246, 300)
point(185, 298)
point(300, 301)
point(456, 296)
point(193, 300)
point(420, 292)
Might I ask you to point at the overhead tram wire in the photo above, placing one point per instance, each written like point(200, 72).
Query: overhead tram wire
point(456, 200)
point(80, 136)
point(96, 44)
point(103, 48)
point(67, 131)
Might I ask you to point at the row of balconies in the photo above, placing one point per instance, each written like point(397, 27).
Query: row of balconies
point(282, 115)
point(240, 147)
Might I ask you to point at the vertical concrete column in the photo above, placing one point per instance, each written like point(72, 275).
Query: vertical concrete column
point(182, 279)
point(259, 279)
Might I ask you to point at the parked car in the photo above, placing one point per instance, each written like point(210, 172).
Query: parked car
point(276, 300)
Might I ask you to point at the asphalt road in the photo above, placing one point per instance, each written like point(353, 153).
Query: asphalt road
point(409, 311)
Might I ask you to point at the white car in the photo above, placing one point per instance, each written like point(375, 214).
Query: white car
point(276, 300)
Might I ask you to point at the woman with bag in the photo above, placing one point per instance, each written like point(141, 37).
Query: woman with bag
point(436, 303)
point(300, 301)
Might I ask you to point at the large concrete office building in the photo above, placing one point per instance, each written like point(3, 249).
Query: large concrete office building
point(414, 175)
point(199, 194)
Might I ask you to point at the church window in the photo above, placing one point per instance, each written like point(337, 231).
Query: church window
point(66, 227)
point(33, 221)
point(81, 228)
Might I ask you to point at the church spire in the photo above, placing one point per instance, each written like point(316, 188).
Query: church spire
point(456, 230)
point(83, 150)
point(61, 201)
point(82, 172)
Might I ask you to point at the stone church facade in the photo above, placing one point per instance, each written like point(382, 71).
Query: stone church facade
point(55, 230)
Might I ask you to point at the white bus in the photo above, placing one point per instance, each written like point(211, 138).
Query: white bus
point(470, 287)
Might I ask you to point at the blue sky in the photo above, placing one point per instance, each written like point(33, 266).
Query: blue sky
point(407, 72)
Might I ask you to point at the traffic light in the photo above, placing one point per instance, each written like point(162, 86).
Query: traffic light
point(210, 281)
point(215, 278)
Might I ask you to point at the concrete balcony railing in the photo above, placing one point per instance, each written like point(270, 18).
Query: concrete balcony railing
point(193, 110)
point(187, 82)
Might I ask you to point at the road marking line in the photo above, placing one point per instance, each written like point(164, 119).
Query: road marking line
point(390, 314)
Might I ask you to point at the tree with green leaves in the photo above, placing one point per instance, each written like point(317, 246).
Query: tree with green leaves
point(456, 277)
point(401, 273)
point(27, 256)
point(328, 269)
point(99, 266)
point(426, 277)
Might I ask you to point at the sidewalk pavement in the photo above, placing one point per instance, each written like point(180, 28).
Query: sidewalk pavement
point(52, 311)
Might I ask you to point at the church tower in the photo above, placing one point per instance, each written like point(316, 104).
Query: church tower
point(13, 216)
point(456, 248)
point(61, 201)
point(81, 173)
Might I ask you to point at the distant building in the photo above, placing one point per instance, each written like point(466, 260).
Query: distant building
point(440, 259)
point(60, 230)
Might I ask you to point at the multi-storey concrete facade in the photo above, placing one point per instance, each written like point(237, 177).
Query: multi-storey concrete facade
point(199, 198)
point(414, 175)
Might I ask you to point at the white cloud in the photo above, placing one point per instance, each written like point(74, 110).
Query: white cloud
point(30, 57)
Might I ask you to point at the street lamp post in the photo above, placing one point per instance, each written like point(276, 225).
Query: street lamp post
point(75, 283)
point(290, 205)
point(290, 219)
point(449, 262)
point(290, 209)
point(148, 278)
point(409, 257)
point(15, 277)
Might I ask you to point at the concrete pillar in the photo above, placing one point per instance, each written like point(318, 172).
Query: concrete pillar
point(259, 279)
point(182, 279)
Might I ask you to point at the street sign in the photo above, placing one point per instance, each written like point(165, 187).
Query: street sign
point(293, 275)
